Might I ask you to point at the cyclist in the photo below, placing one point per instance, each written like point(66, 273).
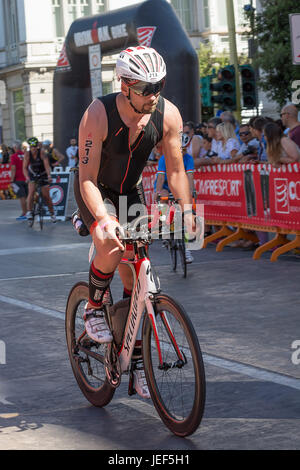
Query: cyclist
point(161, 187)
point(36, 167)
point(116, 135)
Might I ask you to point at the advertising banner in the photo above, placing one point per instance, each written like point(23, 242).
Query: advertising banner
point(256, 194)
point(59, 193)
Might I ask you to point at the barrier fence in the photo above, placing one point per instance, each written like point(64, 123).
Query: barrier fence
point(242, 199)
point(238, 199)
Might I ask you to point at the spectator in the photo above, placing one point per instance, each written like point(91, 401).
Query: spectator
point(229, 143)
point(289, 117)
point(154, 155)
point(257, 127)
point(24, 146)
point(249, 148)
point(227, 116)
point(72, 154)
point(280, 148)
point(195, 146)
point(211, 132)
point(206, 159)
point(5, 154)
point(55, 158)
point(18, 179)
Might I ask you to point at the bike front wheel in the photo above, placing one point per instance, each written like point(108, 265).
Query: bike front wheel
point(174, 370)
point(40, 211)
point(86, 356)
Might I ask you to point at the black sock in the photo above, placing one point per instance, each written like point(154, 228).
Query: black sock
point(98, 283)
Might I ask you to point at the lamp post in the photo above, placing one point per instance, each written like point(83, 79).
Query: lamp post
point(233, 54)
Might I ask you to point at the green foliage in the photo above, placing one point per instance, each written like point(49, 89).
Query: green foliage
point(208, 60)
point(274, 54)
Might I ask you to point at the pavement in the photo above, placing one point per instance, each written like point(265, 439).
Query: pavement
point(246, 315)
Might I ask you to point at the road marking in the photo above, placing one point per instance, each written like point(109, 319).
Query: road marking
point(40, 249)
point(239, 368)
point(43, 275)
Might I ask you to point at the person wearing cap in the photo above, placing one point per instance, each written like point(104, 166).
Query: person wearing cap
point(116, 135)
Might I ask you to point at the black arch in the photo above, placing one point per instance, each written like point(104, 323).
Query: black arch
point(72, 88)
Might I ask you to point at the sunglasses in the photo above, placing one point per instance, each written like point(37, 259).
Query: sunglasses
point(146, 88)
point(244, 133)
point(210, 127)
point(282, 114)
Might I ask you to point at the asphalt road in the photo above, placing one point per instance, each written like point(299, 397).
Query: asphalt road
point(246, 315)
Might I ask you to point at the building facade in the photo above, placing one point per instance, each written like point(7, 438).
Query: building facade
point(32, 34)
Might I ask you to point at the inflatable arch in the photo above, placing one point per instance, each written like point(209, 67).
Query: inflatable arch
point(152, 23)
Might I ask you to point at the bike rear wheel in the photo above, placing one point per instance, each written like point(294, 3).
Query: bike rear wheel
point(86, 356)
point(178, 387)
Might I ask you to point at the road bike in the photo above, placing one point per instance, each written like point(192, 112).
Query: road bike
point(171, 352)
point(38, 203)
point(175, 243)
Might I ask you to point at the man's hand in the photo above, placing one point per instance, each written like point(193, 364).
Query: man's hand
point(109, 228)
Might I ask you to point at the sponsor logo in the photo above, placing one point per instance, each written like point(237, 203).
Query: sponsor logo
point(133, 318)
point(281, 196)
point(145, 35)
point(101, 34)
point(63, 61)
point(56, 194)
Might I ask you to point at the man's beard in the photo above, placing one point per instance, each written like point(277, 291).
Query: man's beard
point(149, 109)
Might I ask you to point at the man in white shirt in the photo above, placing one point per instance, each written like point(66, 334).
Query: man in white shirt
point(72, 153)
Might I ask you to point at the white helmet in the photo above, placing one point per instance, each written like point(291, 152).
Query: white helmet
point(141, 63)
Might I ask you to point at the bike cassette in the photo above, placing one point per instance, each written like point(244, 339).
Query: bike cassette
point(112, 366)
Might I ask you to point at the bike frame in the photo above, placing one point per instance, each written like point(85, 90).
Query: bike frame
point(143, 293)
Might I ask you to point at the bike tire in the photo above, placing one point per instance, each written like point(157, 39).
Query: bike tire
point(173, 254)
point(34, 211)
point(181, 249)
point(178, 393)
point(99, 392)
point(40, 211)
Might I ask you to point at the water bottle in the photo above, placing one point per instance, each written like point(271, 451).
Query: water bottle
point(78, 224)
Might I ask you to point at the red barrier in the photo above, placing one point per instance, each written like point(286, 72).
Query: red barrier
point(255, 197)
point(5, 175)
point(260, 194)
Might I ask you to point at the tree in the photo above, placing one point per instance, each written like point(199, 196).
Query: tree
point(273, 49)
point(208, 60)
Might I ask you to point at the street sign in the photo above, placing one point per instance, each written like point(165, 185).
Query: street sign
point(95, 70)
point(295, 37)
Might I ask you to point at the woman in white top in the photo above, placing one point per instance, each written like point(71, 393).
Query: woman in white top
point(280, 148)
point(229, 144)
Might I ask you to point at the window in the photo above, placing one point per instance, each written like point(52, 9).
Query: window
point(206, 14)
point(222, 13)
point(183, 9)
point(101, 6)
point(19, 114)
point(72, 11)
point(57, 12)
point(11, 22)
point(106, 88)
point(85, 8)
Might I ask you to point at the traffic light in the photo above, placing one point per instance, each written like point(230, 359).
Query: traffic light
point(205, 90)
point(225, 87)
point(248, 86)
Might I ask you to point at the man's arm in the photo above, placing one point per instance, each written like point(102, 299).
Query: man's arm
point(92, 133)
point(59, 155)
